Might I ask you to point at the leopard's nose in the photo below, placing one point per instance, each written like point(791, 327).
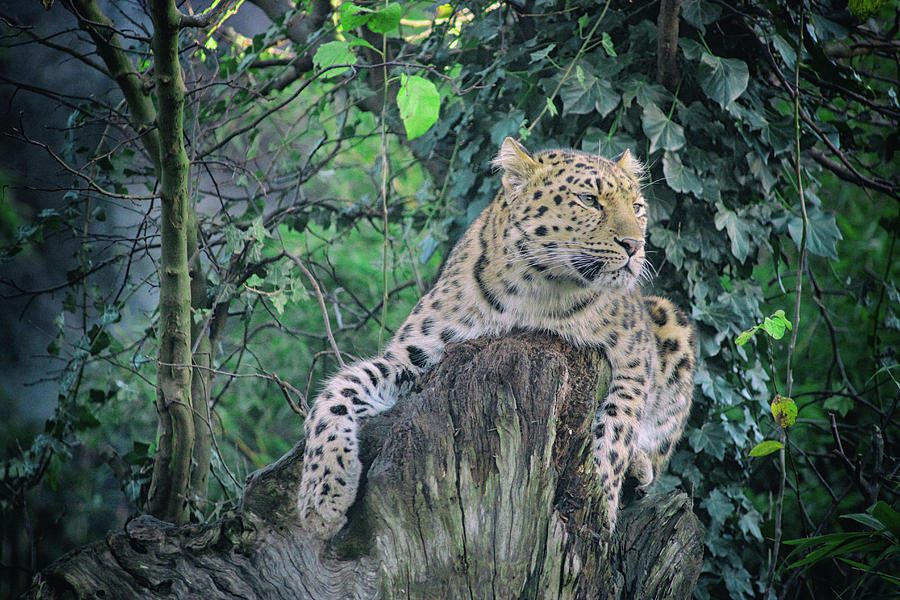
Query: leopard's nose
point(631, 245)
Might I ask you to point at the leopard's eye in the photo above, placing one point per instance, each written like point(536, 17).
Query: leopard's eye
point(589, 201)
point(638, 208)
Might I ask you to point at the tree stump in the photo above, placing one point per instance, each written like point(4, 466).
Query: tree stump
point(478, 486)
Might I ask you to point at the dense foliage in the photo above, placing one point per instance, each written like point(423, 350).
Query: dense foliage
point(769, 131)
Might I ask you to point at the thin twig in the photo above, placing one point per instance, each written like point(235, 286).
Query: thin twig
point(321, 300)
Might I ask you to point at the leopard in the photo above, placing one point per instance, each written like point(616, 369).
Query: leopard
point(561, 249)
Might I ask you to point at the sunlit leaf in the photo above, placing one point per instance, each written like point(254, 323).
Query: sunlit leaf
point(353, 16)
point(419, 103)
point(784, 410)
point(765, 448)
point(385, 19)
point(334, 53)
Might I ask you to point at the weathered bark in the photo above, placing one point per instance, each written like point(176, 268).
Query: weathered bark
point(479, 486)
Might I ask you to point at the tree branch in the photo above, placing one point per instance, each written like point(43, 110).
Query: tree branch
point(92, 20)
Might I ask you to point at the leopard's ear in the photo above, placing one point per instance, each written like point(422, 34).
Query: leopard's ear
point(517, 163)
point(631, 165)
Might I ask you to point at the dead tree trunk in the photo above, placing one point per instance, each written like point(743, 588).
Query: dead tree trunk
point(479, 486)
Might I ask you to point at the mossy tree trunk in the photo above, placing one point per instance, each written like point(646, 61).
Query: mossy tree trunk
point(479, 486)
point(181, 468)
point(169, 488)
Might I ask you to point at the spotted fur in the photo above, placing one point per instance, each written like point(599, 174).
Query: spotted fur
point(560, 249)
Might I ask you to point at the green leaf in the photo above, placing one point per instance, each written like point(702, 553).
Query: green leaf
point(334, 53)
point(738, 231)
point(785, 49)
point(888, 516)
point(542, 54)
point(679, 177)
point(745, 336)
point(551, 108)
point(700, 13)
point(670, 242)
point(774, 327)
point(355, 41)
point(419, 103)
point(723, 79)
point(710, 439)
point(385, 19)
point(645, 93)
point(766, 448)
point(607, 44)
point(353, 16)
point(664, 133)
point(840, 404)
point(718, 505)
point(822, 233)
point(867, 520)
point(577, 95)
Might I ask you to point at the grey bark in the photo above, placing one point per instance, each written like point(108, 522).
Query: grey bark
point(479, 486)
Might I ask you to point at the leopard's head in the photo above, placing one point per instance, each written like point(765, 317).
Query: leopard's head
point(575, 216)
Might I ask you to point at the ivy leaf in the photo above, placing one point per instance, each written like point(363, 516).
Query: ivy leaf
point(737, 228)
point(765, 448)
point(710, 439)
point(723, 79)
point(718, 505)
point(663, 132)
point(749, 523)
point(668, 240)
point(821, 235)
point(576, 94)
point(419, 103)
point(679, 177)
point(506, 125)
point(607, 44)
point(334, 53)
point(645, 93)
point(700, 13)
point(385, 19)
point(785, 49)
point(541, 54)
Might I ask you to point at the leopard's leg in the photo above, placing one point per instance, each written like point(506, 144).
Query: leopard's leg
point(618, 417)
point(665, 416)
point(331, 468)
